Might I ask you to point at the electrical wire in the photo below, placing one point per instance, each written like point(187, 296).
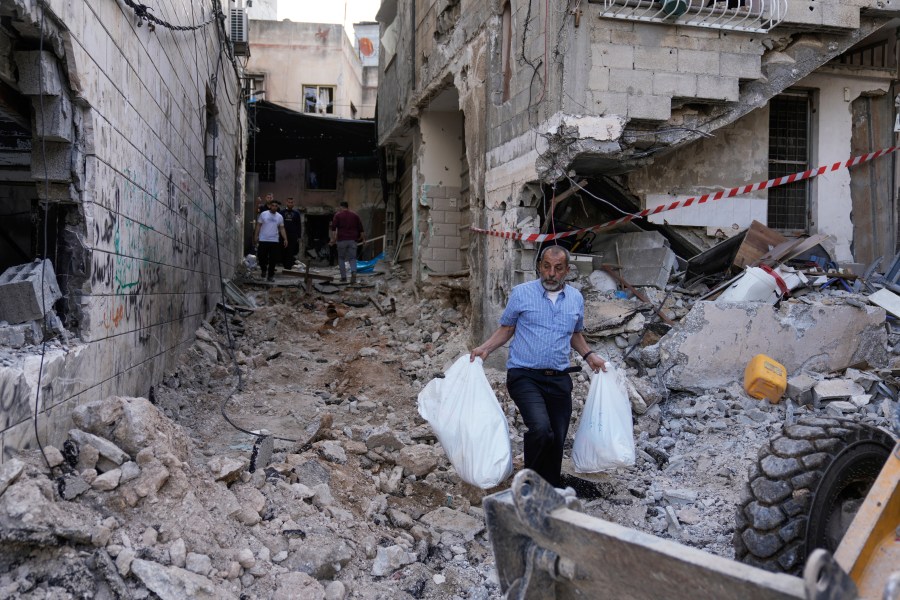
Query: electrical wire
point(46, 203)
point(239, 383)
point(142, 12)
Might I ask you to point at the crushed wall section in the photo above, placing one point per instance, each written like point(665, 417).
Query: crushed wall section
point(150, 233)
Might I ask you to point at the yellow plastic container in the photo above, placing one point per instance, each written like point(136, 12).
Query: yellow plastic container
point(765, 378)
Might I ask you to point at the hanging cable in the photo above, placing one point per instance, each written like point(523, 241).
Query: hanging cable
point(239, 385)
point(142, 12)
point(46, 205)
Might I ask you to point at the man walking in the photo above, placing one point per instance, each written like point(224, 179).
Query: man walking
point(292, 226)
point(269, 226)
point(346, 232)
point(544, 318)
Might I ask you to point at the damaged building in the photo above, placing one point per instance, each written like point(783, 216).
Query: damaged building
point(121, 186)
point(520, 117)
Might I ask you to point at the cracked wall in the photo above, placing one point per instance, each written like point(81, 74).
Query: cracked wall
point(145, 233)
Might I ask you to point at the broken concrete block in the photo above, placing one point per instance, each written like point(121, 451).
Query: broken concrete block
point(799, 384)
point(419, 460)
point(390, 559)
point(72, 486)
point(107, 481)
point(28, 291)
point(647, 268)
point(14, 336)
point(53, 120)
point(712, 345)
point(39, 73)
point(172, 582)
point(112, 454)
point(9, 472)
point(54, 162)
point(446, 519)
point(839, 408)
point(836, 389)
point(603, 281)
point(861, 400)
point(863, 378)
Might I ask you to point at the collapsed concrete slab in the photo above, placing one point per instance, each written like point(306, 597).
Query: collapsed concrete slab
point(714, 342)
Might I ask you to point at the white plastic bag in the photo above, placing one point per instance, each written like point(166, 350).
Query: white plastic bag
point(604, 439)
point(468, 421)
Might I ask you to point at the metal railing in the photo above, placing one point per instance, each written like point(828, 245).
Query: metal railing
point(740, 15)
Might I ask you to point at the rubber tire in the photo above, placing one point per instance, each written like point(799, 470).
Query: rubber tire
point(799, 473)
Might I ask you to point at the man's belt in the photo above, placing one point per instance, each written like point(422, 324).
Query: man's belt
point(554, 372)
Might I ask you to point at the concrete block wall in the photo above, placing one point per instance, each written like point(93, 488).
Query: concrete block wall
point(638, 69)
point(156, 233)
point(441, 250)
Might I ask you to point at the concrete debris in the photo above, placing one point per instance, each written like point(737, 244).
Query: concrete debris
point(9, 472)
point(351, 496)
point(836, 389)
point(714, 343)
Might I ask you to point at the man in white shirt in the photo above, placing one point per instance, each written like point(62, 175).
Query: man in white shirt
point(269, 226)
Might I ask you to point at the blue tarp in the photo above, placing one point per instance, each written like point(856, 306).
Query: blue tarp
point(367, 266)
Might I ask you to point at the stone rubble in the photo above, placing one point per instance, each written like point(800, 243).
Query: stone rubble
point(354, 498)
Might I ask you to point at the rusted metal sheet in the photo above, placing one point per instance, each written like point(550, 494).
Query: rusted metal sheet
point(544, 550)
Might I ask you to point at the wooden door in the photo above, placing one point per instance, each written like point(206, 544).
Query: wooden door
point(871, 183)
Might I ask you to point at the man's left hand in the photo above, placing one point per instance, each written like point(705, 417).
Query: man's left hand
point(596, 363)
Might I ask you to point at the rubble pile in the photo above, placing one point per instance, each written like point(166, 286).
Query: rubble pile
point(298, 466)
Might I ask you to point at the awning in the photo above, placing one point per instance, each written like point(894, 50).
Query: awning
point(279, 133)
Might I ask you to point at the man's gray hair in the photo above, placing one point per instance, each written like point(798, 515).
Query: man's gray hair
point(555, 249)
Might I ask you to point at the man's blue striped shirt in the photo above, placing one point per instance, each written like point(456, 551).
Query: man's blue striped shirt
point(543, 329)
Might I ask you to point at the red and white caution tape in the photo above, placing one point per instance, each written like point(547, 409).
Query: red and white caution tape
point(731, 193)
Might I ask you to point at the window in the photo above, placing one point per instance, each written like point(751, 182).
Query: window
point(788, 154)
point(321, 174)
point(318, 99)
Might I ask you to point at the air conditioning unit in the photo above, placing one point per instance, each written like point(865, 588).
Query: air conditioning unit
point(240, 31)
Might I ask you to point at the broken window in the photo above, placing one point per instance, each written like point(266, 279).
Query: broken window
point(212, 132)
point(318, 99)
point(789, 153)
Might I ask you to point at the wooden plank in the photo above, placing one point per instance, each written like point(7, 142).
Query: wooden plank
point(758, 241)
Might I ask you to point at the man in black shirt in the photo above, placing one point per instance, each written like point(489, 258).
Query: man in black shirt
point(292, 226)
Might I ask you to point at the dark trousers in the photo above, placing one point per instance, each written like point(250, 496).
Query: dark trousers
point(269, 254)
point(545, 403)
point(290, 253)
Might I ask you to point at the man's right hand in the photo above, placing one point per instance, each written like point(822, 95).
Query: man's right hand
point(479, 352)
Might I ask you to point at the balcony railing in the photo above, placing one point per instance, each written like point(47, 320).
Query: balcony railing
point(741, 15)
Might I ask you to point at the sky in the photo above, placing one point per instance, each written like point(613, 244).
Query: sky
point(328, 11)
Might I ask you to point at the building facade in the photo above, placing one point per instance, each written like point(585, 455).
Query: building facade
point(640, 104)
point(314, 69)
point(124, 165)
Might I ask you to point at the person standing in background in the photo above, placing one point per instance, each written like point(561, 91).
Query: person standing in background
point(292, 227)
point(269, 227)
point(346, 232)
